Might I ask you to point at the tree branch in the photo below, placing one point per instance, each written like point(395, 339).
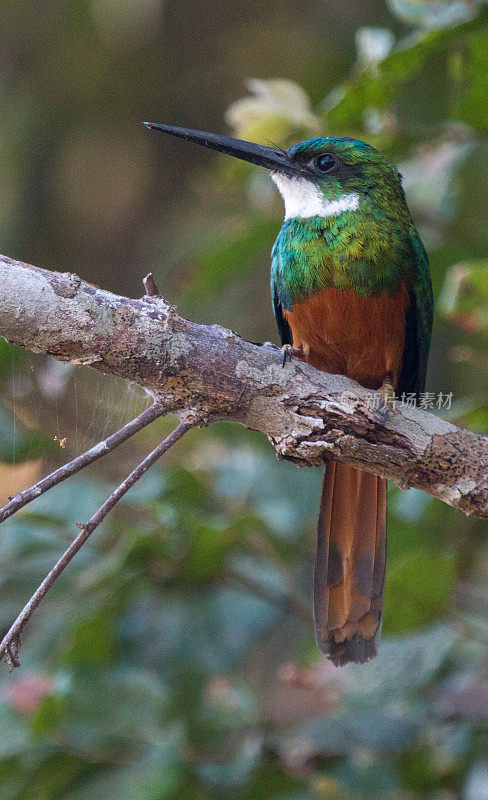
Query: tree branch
point(10, 644)
point(306, 414)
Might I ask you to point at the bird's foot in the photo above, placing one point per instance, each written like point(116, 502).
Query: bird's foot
point(387, 395)
point(288, 352)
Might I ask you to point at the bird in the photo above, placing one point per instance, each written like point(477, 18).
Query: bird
point(351, 291)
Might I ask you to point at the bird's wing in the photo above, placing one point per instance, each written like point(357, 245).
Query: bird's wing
point(418, 326)
point(278, 296)
point(283, 327)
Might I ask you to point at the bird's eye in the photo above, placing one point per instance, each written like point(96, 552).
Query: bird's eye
point(325, 162)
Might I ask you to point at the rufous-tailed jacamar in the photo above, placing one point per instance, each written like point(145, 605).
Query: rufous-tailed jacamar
point(351, 288)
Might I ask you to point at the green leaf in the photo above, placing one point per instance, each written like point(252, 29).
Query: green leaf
point(367, 780)
point(46, 718)
point(140, 782)
point(233, 772)
point(7, 353)
point(14, 734)
point(464, 296)
point(403, 664)
point(91, 641)
point(55, 774)
point(204, 630)
point(226, 707)
point(381, 730)
point(226, 259)
point(18, 443)
point(418, 590)
point(377, 89)
point(12, 779)
point(474, 75)
point(208, 550)
point(118, 709)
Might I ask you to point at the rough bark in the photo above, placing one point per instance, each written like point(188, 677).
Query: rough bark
point(308, 415)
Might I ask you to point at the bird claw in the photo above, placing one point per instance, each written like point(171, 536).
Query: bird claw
point(387, 393)
point(286, 352)
point(289, 352)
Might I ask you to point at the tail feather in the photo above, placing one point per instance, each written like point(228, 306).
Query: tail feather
point(350, 564)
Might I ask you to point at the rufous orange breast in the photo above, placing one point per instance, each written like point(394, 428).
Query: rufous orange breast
point(345, 333)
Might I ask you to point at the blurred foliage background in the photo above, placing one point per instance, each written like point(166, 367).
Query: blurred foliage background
point(175, 658)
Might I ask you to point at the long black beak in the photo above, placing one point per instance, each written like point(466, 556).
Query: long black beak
point(268, 157)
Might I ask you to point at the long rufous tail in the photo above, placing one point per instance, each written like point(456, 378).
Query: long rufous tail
point(350, 562)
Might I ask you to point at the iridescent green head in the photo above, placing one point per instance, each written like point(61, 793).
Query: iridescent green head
point(333, 174)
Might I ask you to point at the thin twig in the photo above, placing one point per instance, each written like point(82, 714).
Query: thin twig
point(80, 462)
point(10, 644)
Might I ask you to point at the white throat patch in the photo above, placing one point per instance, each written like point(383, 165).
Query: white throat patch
point(304, 199)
